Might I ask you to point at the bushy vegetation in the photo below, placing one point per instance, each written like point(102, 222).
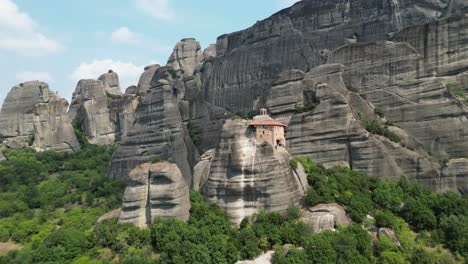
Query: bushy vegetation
point(375, 127)
point(247, 116)
point(457, 91)
point(438, 218)
point(309, 107)
point(49, 203)
point(195, 134)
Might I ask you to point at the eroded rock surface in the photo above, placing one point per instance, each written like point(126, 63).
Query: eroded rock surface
point(53, 129)
point(186, 56)
point(32, 115)
point(325, 217)
point(155, 191)
point(246, 177)
point(103, 112)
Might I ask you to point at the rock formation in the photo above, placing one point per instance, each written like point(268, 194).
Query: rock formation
point(169, 113)
point(144, 84)
point(325, 217)
point(186, 56)
point(103, 112)
point(34, 116)
point(407, 59)
point(53, 129)
point(155, 191)
point(112, 79)
point(246, 177)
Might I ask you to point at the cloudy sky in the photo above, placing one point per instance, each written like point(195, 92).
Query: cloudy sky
point(61, 41)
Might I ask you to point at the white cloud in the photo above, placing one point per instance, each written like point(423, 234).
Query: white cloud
point(19, 33)
point(286, 3)
point(128, 72)
point(33, 76)
point(124, 35)
point(160, 9)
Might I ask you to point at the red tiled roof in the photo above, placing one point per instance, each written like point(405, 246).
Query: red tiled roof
point(267, 123)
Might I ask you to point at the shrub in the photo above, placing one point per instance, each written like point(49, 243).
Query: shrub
point(379, 111)
point(293, 164)
point(194, 134)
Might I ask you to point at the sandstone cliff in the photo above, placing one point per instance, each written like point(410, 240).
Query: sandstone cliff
point(34, 116)
point(103, 112)
point(155, 191)
point(246, 177)
point(406, 61)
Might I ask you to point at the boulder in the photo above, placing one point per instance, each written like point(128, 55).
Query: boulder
point(155, 191)
point(390, 234)
point(324, 217)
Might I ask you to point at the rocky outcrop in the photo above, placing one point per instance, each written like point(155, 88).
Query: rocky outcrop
point(155, 191)
point(90, 108)
point(301, 37)
point(246, 177)
point(187, 55)
point(158, 132)
point(333, 132)
point(112, 79)
point(201, 171)
point(103, 112)
point(53, 129)
point(170, 113)
point(401, 59)
point(34, 116)
point(144, 84)
point(324, 217)
point(455, 175)
point(390, 234)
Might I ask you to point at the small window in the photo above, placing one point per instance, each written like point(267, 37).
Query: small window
point(263, 132)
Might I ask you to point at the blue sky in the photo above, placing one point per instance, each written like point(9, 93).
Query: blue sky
point(61, 41)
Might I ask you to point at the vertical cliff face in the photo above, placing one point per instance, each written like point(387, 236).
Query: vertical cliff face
point(34, 116)
point(158, 132)
point(171, 112)
point(103, 112)
point(53, 128)
point(155, 191)
point(245, 177)
point(406, 61)
point(300, 37)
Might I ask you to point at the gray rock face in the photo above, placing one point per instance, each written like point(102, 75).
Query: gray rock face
point(300, 37)
point(387, 232)
point(112, 79)
point(144, 84)
point(32, 110)
point(201, 171)
point(105, 115)
point(186, 56)
point(16, 116)
point(90, 108)
point(455, 173)
point(325, 217)
point(402, 59)
point(158, 132)
point(173, 104)
point(245, 178)
point(52, 126)
point(155, 191)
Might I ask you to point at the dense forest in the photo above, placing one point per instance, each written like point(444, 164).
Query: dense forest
point(50, 203)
